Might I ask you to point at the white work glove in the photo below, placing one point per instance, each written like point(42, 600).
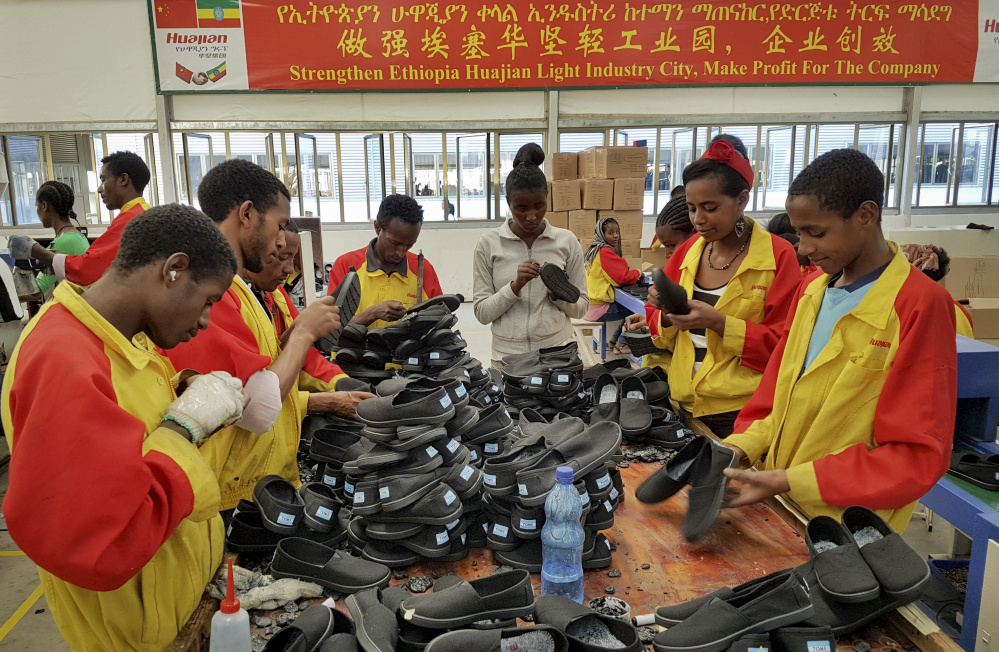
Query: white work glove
point(209, 403)
point(20, 247)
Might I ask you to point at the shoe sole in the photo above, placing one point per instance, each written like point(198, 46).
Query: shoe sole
point(993, 486)
point(410, 421)
point(462, 621)
point(347, 298)
point(340, 588)
point(641, 345)
point(783, 620)
point(410, 498)
point(558, 282)
point(716, 502)
point(409, 560)
point(422, 520)
point(366, 642)
point(850, 598)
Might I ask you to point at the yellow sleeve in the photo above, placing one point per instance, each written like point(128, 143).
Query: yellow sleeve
point(207, 497)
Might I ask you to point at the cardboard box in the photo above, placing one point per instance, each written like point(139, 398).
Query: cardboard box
point(560, 166)
point(629, 194)
point(560, 219)
point(582, 224)
point(632, 249)
point(985, 315)
point(657, 257)
point(549, 196)
point(634, 262)
point(971, 277)
point(584, 164)
point(566, 196)
point(584, 243)
point(620, 162)
point(629, 221)
point(598, 194)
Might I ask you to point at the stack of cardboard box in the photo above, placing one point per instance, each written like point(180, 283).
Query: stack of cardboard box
point(596, 183)
point(974, 280)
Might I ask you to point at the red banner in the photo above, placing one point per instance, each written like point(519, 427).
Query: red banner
point(348, 45)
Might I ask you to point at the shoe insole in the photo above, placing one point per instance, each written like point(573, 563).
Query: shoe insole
point(822, 546)
point(608, 394)
point(867, 535)
point(536, 641)
point(593, 632)
point(635, 394)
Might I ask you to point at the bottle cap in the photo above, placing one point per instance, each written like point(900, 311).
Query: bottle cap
point(563, 474)
point(230, 605)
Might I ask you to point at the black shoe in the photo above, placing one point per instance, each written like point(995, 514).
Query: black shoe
point(672, 296)
point(674, 475)
point(581, 624)
point(675, 614)
point(973, 468)
point(841, 570)
point(898, 568)
point(606, 400)
point(707, 490)
point(346, 297)
point(635, 413)
point(556, 280)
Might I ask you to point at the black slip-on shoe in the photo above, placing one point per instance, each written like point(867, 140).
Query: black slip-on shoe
point(586, 629)
point(537, 638)
point(761, 643)
point(281, 508)
point(841, 570)
point(557, 281)
point(501, 536)
point(313, 626)
point(409, 407)
point(389, 554)
point(503, 595)
point(346, 297)
point(600, 557)
point(780, 602)
point(377, 457)
point(598, 483)
point(525, 556)
point(671, 615)
point(527, 522)
point(377, 630)
point(494, 421)
point(501, 470)
point(707, 488)
point(973, 468)
point(590, 375)
point(584, 453)
point(606, 400)
point(340, 643)
point(640, 342)
point(321, 506)
point(802, 639)
point(335, 446)
point(672, 297)
point(898, 568)
point(601, 516)
point(439, 507)
point(635, 413)
point(672, 476)
point(671, 436)
point(451, 450)
point(432, 542)
point(246, 534)
point(462, 421)
point(399, 491)
point(314, 562)
point(353, 335)
point(392, 531)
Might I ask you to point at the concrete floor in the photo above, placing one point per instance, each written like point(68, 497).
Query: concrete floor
point(26, 623)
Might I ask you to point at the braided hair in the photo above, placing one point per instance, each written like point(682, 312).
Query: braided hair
point(526, 173)
point(59, 197)
point(676, 215)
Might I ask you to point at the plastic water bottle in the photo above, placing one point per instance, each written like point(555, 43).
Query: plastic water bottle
point(562, 540)
point(230, 624)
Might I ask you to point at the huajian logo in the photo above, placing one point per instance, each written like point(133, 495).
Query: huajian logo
point(196, 39)
point(880, 344)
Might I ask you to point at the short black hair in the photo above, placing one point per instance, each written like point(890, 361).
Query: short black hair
point(676, 215)
point(399, 207)
point(128, 163)
point(526, 173)
point(59, 196)
point(608, 222)
point(158, 233)
point(291, 228)
point(841, 180)
point(677, 191)
point(780, 224)
point(790, 237)
point(232, 182)
point(735, 142)
point(732, 183)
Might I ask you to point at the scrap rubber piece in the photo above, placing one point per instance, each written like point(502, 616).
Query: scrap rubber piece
point(556, 280)
point(346, 297)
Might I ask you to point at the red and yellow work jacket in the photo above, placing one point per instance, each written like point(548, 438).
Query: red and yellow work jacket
point(964, 324)
point(87, 267)
point(318, 374)
point(119, 514)
point(871, 421)
point(755, 304)
point(377, 286)
point(606, 272)
point(241, 340)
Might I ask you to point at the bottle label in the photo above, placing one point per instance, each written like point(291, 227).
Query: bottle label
point(491, 447)
point(467, 472)
point(489, 479)
point(383, 492)
point(442, 538)
point(528, 524)
point(603, 481)
point(329, 480)
point(500, 530)
point(285, 519)
point(460, 390)
point(324, 513)
point(449, 497)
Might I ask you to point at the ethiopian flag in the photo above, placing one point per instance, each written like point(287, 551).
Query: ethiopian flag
point(217, 73)
point(218, 13)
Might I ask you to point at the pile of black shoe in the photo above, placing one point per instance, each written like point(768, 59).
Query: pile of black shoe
point(408, 479)
point(547, 380)
point(518, 482)
point(860, 570)
point(638, 400)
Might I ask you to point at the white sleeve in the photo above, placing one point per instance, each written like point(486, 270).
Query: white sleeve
point(264, 390)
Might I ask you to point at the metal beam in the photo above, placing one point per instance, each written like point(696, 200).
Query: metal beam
point(164, 109)
point(612, 121)
point(74, 127)
point(913, 100)
point(365, 127)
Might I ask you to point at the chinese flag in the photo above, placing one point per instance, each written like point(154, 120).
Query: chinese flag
point(184, 74)
point(175, 14)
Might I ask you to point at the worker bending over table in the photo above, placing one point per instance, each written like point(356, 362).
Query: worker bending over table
point(108, 493)
point(858, 401)
point(388, 271)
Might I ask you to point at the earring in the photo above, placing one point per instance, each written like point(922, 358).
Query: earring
point(740, 226)
point(173, 275)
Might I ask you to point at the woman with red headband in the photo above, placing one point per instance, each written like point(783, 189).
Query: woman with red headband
point(739, 280)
